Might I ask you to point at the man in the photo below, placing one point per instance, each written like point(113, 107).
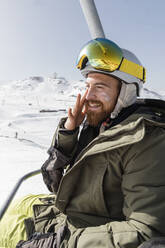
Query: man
point(109, 178)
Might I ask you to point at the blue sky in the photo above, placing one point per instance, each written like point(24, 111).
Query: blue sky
point(40, 37)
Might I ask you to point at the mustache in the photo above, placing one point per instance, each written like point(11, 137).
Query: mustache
point(93, 102)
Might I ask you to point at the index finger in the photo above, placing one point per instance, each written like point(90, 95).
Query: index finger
point(84, 97)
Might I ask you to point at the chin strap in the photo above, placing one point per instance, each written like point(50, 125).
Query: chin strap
point(127, 96)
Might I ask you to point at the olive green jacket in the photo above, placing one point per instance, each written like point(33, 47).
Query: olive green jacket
point(114, 194)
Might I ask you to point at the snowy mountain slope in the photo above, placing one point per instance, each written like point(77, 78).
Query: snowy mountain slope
point(30, 110)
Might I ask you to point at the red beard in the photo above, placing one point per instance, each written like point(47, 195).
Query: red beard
point(94, 118)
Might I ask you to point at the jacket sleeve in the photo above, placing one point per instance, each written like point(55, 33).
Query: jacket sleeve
point(61, 153)
point(111, 235)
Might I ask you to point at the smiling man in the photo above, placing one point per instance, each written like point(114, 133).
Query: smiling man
point(108, 176)
point(98, 101)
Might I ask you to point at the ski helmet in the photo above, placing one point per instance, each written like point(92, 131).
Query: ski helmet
point(104, 56)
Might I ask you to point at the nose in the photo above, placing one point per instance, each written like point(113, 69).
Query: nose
point(90, 94)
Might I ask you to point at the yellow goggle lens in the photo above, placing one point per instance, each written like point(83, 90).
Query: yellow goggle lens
point(102, 54)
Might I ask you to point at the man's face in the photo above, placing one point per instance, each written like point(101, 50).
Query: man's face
point(103, 91)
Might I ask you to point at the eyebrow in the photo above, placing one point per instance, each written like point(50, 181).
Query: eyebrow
point(99, 83)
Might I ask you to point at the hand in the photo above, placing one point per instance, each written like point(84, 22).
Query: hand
point(77, 114)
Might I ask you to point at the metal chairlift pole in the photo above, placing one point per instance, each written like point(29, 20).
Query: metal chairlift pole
point(92, 19)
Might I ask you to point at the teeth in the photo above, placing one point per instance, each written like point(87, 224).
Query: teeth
point(94, 104)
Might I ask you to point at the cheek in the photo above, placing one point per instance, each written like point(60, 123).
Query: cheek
point(104, 97)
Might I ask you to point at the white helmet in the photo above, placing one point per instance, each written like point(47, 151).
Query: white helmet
point(105, 56)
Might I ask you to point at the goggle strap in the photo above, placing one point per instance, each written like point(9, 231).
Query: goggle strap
point(132, 69)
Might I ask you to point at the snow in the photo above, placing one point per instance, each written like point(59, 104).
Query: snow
point(30, 110)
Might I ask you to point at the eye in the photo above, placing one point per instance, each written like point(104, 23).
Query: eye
point(99, 87)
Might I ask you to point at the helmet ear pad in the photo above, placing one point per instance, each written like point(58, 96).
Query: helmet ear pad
point(127, 97)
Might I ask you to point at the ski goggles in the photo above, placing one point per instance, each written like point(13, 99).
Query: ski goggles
point(103, 54)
